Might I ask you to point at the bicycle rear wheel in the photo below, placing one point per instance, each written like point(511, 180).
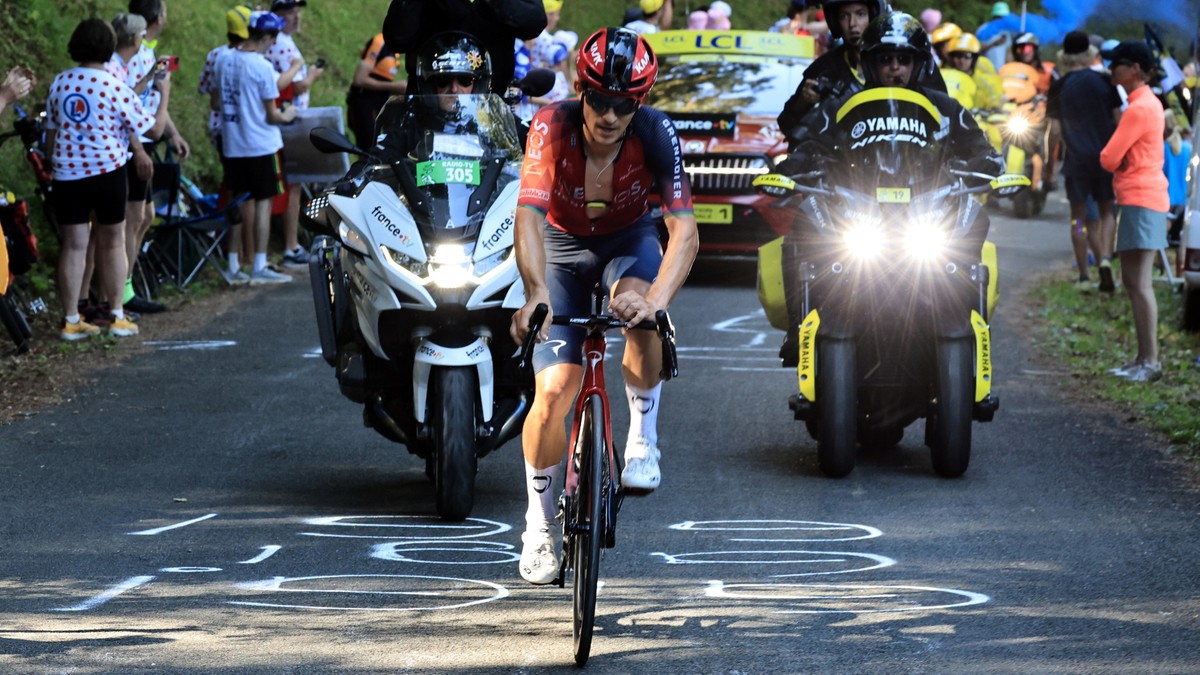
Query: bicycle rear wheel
point(587, 526)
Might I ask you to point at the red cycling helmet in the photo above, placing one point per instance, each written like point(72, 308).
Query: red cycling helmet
point(618, 62)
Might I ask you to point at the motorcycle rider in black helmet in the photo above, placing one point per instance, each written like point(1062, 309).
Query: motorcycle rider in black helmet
point(839, 70)
point(895, 53)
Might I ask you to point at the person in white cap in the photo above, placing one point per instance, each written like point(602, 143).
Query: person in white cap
point(718, 15)
point(656, 16)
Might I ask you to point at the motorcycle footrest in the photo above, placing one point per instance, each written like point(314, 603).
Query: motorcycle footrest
point(802, 408)
point(985, 410)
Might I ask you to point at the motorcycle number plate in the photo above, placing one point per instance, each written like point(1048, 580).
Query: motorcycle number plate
point(716, 214)
point(893, 195)
point(445, 171)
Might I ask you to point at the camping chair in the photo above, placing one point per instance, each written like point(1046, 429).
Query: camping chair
point(190, 225)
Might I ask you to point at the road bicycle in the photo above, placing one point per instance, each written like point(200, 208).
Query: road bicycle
point(592, 490)
point(18, 298)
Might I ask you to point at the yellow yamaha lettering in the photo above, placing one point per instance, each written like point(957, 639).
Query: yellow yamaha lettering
point(774, 180)
point(983, 356)
point(1011, 180)
point(806, 371)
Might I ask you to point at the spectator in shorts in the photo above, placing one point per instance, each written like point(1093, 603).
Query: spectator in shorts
point(374, 83)
point(250, 140)
point(240, 240)
point(1083, 107)
point(283, 55)
point(89, 171)
point(1135, 156)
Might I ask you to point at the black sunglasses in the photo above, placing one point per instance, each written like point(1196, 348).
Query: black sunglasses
point(602, 103)
point(901, 59)
point(446, 81)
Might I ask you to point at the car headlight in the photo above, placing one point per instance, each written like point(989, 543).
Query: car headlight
point(924, 240)
point(864, 240)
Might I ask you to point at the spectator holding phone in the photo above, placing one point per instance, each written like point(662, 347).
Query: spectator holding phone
point(245, 94)
point(284, 55)
point(89, 171)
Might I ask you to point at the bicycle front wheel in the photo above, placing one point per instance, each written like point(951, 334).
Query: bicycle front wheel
point(587, 525)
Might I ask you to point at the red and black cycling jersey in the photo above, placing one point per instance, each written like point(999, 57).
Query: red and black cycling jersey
point(650, 159)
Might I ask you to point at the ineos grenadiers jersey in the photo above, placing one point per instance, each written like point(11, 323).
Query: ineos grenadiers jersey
point(553, 172)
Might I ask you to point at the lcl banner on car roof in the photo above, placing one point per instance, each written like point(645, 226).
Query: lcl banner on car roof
point(746, 42)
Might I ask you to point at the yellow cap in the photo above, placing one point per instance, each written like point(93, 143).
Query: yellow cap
point(651, 6)
point(552, 5)
point(237, 22)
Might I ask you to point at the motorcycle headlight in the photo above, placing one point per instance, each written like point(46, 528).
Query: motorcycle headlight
point(405, 262)
point(450, 266)
point(864, 240)
point(482, 267)
point(1018, 125)
point(924, 240)
point(352, 239)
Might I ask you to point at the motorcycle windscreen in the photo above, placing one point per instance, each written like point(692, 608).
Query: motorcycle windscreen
point(466, 151)
point(891, 140)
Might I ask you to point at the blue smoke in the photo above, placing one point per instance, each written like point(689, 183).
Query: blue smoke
point(1063, 16)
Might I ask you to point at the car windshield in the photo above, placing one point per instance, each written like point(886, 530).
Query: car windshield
point(755, 85)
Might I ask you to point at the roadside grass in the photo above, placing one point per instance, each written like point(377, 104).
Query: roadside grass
point(1090, 333)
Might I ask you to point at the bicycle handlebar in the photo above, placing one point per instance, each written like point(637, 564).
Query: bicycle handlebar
point(661, 325)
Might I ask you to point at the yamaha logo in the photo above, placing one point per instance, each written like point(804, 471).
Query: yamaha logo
point(858, 130)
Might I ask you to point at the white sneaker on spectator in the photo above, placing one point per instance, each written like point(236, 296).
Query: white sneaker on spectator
point(268, 276)
point(539, 555)
point(238, 278)
point(641, 474)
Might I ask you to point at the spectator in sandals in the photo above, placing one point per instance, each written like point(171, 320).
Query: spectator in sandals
point(17, 85)
point(1134, 155)
point(89, 170)
point(245, 95)
point(284, 55)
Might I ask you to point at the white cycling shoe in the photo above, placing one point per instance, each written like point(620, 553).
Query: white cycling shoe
point(641, 474)
point(539, 556)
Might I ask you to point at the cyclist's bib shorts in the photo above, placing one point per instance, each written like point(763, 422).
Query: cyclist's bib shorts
point(574, 264)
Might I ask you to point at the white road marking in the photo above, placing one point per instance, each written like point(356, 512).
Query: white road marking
point(97, 600)
point(194, 345)
point(185, 523)
point(267, 552)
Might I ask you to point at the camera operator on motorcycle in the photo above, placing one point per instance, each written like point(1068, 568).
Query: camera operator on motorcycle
point(896, 54)
point(583, 217)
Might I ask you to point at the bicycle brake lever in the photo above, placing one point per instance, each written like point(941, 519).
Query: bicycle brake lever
point(670, 360)
point(535, 326)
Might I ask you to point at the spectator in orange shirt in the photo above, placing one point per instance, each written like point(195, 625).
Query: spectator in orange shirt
point(374, 83)
point(1135, 156)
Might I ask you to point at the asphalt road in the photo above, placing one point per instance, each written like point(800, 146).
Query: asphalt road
point(216, 507)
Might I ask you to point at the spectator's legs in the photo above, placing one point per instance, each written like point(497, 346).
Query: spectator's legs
point(291, 219)
point(89, 269)
point(135, 213)
point(72, 259)
point(1079, 237)
point(1136, 268)
point(248, 210)
point(1107, 237)
point(262, 231)
point(111, 262)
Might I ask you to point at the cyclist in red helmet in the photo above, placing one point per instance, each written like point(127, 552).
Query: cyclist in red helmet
point(584, 216)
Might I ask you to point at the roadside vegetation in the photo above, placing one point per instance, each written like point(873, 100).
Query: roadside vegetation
point(1090, 333)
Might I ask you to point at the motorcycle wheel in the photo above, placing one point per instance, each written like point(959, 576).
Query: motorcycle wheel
point(1023, 204)
point(1039, 201)
point(837, 399)
point(454, 441)
point(951, 419)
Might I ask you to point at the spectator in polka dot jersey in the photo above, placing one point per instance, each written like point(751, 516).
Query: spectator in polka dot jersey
point(93, 123)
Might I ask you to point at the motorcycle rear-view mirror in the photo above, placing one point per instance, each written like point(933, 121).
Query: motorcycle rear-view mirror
point(329, 141)
point(774, 184)
point(1010, 184)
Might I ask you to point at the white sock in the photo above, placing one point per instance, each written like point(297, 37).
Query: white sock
point(260, 262)
point(118, 314)
point(72, 318)
point(234, 263)
point(543, 487)
point(643, 412)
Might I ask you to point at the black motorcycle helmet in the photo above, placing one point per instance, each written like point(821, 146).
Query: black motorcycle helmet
point(896, 32)
point(453, 54)
point(874, 9)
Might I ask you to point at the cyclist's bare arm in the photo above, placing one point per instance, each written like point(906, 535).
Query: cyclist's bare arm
point(677, 262)
point(530, 249)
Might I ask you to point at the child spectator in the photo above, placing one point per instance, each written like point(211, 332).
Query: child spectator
point(89, 171)
point(245, 94)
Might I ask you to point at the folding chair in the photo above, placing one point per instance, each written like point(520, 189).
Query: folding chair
point(191, 225)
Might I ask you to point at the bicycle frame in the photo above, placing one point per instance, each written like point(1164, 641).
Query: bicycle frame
point(595, 346)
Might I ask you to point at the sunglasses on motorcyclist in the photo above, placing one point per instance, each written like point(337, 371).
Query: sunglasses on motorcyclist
point(446, 81)
point(899, 59)
point(602, 103)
